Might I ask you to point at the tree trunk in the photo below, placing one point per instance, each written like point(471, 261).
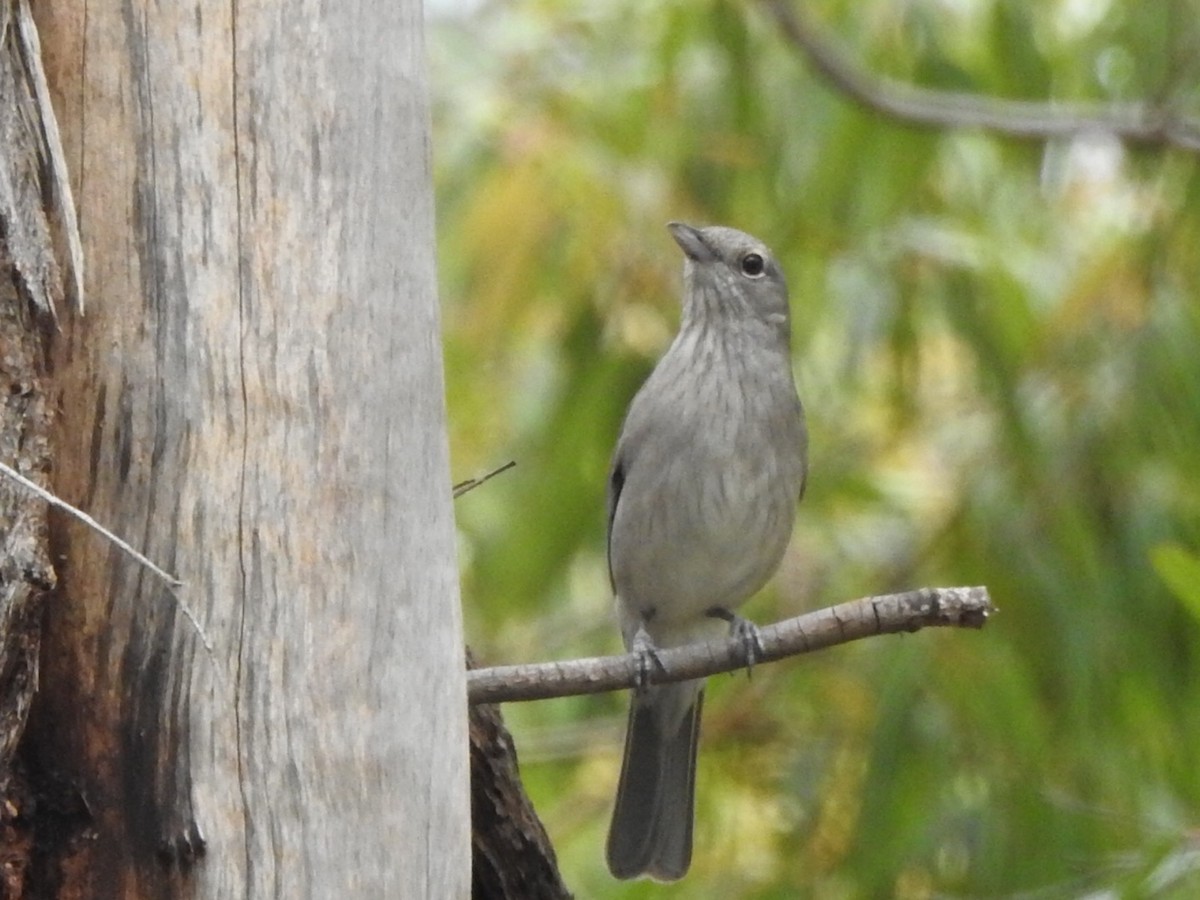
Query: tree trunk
point(254, 400)
point(512, 857)
point(30, 289)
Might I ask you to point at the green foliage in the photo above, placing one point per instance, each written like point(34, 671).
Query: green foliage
point(998, 343)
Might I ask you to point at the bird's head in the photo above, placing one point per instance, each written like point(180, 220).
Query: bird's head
point(731, 276)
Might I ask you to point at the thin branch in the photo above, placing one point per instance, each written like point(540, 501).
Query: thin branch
point(1141, 123)
point(173, 583)
point(471, 483)
point(962, 607)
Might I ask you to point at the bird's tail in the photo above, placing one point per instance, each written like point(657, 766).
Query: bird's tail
point(651, 831)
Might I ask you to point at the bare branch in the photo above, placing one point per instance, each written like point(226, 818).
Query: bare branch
point(962, 607)
point(1141, 123)
point(471, 483)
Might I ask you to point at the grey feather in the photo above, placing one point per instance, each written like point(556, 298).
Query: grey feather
point(701, 498)
point(651, 829)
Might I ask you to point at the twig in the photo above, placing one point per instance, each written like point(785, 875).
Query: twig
point(90, 522)
point(1136, 122)
point(172, 582)
point(471, 483)
point(962, 607)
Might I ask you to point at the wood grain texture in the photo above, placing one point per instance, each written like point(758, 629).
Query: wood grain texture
point(255, 400)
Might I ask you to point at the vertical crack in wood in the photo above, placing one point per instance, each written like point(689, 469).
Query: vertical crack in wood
point(235, 86)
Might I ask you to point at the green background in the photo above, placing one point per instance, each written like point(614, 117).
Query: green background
point(998, 345)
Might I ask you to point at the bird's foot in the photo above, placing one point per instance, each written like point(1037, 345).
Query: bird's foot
point(647, 658)
point(744, 632)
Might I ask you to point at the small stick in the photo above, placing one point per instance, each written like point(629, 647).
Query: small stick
point(471, 483)
point(173, 583)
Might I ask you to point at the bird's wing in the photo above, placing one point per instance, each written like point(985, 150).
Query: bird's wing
point(616, 482)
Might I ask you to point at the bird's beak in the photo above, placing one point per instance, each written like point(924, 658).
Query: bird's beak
point(691, 242)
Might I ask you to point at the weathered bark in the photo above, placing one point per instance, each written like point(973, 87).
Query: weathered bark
point(30, 289)
point(254, 399)
point(512, 857)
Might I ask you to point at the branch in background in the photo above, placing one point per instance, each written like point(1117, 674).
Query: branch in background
point(471, 483)
point(1136, 122)
point(962, 607)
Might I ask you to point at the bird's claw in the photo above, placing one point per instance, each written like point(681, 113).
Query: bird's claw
point(744, 632)
point(647, 659)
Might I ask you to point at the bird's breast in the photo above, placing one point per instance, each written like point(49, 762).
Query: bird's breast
point(707, 521)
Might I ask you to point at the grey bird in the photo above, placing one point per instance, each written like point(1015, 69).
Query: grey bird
point(702, 496)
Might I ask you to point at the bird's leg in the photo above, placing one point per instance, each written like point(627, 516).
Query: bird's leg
point(646, 652)
point(742, 630)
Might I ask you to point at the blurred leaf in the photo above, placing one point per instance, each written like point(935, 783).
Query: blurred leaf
point(1180, 571)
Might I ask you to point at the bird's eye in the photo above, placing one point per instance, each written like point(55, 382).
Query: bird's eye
point(753, 265)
